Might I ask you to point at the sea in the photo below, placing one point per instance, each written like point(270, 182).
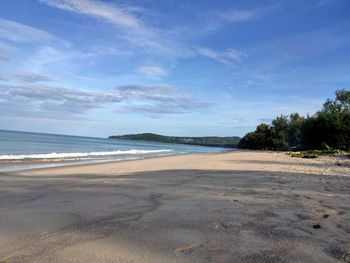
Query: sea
point(27, 150)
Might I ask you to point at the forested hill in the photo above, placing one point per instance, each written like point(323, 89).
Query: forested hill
point(227, 142)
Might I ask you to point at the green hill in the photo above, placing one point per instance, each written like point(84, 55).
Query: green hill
point(212, 141)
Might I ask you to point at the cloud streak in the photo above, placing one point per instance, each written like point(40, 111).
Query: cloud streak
point(156, 99)
point(238, 15)
point(32, 77)
point(230, 55)
point(17, 32)
point(217, 19)
point(133, 29)
point(152, 71)
point(152, 40)
point(105, 11)
point(5, 52)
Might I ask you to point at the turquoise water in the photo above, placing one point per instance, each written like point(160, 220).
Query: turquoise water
point(17, 146)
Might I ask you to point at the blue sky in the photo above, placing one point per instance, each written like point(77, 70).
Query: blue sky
point(96, 68)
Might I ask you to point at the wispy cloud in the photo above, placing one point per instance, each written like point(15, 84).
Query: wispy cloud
point(32, 77)
point(133, 29)
point(155, 93)
point(228, 56)
point(161, 108)
point(2, 77)
point(322, 3)
point(18, 32)
point(299, 46)
point(88, 79)
point(163, 98)
point(289, 62)
point(160, 99)
point(238, 15)
point(138, 33)
point(109, 12)
point(56, 99)
point(152, 70)
point(48, 56)
point(5, 52)
point(217, 19)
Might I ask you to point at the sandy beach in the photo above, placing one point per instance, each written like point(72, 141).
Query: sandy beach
point(242, 206)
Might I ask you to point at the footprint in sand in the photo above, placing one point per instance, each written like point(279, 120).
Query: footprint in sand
point(225, 225)
point(316, 226)
point(325, 216)
point(220, 225)
point(187, 249)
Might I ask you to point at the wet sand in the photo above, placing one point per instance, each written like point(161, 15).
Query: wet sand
point(241, 206)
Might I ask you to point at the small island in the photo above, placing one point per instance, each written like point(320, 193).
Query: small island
point(211, 141)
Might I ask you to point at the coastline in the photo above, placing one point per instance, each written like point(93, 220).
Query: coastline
point(239, 206)
point(23, 165)
point(23, 150)
point(210, 161)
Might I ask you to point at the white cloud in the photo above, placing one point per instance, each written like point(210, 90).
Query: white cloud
point(238, 15)
point(102, 10)
point(133, 29)
point(46, 56)
point(45, 100)
point(228, 56)
point(152, 70)
point(17, 32)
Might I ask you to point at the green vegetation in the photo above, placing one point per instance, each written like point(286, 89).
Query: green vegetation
point(227, 142)
point(314, 153)
point(328, 130)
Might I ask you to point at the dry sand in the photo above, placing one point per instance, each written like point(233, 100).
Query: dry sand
point(235, 207)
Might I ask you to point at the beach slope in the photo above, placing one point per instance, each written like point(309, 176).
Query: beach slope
point(241, 206)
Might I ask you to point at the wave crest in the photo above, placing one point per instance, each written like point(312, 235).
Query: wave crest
point(54, 155)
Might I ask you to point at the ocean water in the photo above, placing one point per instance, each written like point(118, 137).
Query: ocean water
point(16, 146)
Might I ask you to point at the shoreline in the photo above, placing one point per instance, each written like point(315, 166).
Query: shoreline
point(73, 167)
point(52, 164)
point(239, 206)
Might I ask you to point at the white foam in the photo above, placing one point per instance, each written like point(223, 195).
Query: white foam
point(54, 155)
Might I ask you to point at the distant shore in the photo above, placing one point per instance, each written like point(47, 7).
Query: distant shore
point(240, 206)
point(207, 141)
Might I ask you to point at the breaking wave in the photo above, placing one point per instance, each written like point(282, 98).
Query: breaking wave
point(54, 155)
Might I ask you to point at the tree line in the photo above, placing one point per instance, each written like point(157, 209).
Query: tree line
point(212, 141)
point(328, 128)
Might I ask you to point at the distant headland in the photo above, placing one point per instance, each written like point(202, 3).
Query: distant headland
point(211, 141)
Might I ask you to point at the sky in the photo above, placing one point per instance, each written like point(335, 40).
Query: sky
point(186, 68)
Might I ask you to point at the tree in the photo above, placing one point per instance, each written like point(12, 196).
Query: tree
point(249, 141)
point(295, 125)
point(262, 135)
point(279, 133)
point(329, 127)
point(334, 118)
